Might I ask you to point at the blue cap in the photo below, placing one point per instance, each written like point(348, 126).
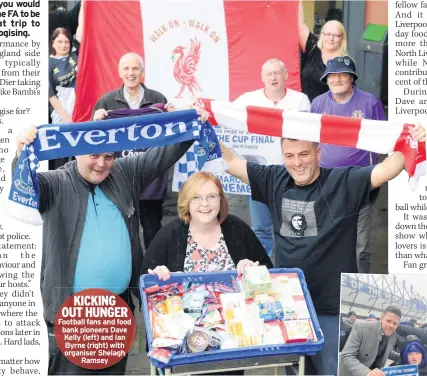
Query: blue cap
point(372, 316)
point(340, 64)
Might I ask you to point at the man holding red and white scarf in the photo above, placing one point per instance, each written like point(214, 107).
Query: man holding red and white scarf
point(330, 200)
point(345, 99)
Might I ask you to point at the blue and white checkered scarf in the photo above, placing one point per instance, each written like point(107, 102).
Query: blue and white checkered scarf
point(95, 137)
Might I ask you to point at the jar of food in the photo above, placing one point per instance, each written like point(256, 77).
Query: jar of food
point(198, 341)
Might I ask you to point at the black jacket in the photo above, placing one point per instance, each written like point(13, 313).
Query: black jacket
point(170, 245)
point(64, 18)
point(63, 205)
point(406, 330)
point(115, 100)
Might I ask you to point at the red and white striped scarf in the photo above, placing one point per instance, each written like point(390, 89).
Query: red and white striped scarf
point(381, 137)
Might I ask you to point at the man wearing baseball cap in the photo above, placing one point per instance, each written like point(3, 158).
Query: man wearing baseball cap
point(345, 99)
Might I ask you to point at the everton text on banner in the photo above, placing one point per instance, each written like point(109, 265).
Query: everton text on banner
point(100, 137)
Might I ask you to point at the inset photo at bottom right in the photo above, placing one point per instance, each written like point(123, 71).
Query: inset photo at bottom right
point(383, 325)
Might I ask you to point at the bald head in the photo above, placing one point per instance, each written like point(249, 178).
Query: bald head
point(131, 71)
point(274, 76)
point(133, 56)
point(273, 61)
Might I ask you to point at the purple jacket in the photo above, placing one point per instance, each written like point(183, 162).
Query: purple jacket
point(363, 105)
point(157, 189)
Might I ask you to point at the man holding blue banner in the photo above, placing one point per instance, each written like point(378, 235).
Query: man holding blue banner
point(90, 206)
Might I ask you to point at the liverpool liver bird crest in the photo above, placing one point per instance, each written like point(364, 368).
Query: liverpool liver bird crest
point(185, 67)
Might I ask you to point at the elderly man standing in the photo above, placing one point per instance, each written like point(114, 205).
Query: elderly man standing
point(275, 95)
point(91, 230)
point(133, 95)
point(330, 199)
point(370, 344)
point(345, 99)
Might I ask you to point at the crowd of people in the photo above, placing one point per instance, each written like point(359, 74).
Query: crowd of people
point(347, 323)
point(368, 345)
point(333, 188)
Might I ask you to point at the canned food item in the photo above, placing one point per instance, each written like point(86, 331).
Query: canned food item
point(198, 341)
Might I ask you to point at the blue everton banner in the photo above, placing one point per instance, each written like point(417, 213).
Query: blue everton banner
point(94, 137)
point(54, 141)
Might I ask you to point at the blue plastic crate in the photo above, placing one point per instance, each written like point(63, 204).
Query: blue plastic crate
point(306, 348)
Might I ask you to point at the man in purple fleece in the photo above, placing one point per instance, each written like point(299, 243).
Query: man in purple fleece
point(134, 95)
point(345, 99)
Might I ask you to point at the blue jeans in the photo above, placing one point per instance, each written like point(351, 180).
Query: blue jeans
point(262, 224)
point(325, 362)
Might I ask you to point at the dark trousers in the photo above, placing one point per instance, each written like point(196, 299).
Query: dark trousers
point(150, 216)
point(325, 362)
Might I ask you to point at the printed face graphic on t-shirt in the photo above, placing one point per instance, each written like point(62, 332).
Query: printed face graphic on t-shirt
point(298, 218)
point(298, 224)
